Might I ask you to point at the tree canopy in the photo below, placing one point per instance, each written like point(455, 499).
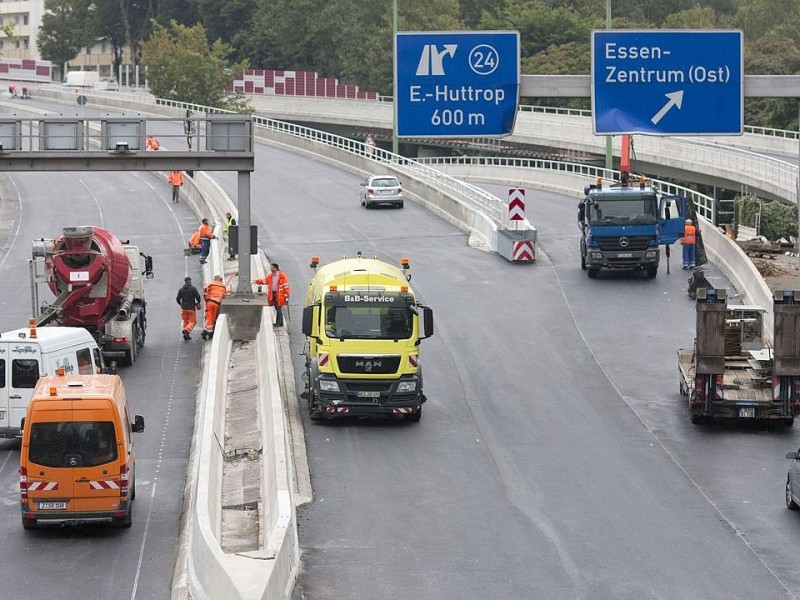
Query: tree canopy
point(183, 66)
point(352, 39)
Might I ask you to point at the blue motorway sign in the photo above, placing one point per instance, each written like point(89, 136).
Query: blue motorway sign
point(456, 84)
point(668, 82)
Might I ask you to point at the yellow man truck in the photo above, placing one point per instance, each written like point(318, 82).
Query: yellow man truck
point(363, 327)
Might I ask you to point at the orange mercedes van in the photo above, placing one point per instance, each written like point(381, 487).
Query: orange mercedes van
point(77, 460)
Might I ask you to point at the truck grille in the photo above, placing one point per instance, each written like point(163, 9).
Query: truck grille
point(379, 365)
point(635, 243)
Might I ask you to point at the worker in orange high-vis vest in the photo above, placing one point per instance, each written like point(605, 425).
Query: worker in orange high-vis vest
point(194, 243)
point(213, 293)
point(688, 240)
point(176, 181)
point(206, 235)
point(277, 291)
point(152, 143)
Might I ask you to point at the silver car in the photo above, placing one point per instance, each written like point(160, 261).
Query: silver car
point(381, 189)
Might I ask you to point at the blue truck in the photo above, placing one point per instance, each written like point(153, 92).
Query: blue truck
point(622, 226)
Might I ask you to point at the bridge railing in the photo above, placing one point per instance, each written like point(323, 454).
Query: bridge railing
point(704, 204)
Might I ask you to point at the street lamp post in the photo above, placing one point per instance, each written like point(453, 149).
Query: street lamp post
point(394, 107)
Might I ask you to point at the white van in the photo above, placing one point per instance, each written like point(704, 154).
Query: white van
point(29, 353)
point(82, 79)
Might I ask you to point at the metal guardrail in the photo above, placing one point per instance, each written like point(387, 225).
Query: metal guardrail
point(473, 196)
point(704, 204)
point(582, 112)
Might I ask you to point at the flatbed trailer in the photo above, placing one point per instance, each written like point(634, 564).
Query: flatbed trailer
point(746, 390)
point(730, 374)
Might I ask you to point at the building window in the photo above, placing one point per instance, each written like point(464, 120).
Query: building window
point(16, 19)
point(25, 20)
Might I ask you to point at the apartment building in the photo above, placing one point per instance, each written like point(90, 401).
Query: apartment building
point(26, 16)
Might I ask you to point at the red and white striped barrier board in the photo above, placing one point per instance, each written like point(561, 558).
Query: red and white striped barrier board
point(516, 204)
point(104, 485)
point(42, 486)
point(524, 251)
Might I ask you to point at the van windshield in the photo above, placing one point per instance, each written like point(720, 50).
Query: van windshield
point(72, 444)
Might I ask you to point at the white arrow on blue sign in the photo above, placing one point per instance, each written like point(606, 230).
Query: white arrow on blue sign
point(456, 84)
point(668, 82)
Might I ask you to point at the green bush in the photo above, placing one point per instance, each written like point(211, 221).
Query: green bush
point(778, 219)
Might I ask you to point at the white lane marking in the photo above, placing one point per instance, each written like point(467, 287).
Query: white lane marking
point(19, 224)
point(167, 415)
point(96, 201)
point(170, 401)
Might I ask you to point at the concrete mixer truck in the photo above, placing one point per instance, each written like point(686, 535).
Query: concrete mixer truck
point(97, 283)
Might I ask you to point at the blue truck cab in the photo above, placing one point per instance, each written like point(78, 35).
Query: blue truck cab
point(623, 226)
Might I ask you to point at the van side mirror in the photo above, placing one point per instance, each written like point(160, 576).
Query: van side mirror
point(22, 426)
point(138, 424)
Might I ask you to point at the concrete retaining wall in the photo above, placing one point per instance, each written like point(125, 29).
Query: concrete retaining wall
point(208, 577)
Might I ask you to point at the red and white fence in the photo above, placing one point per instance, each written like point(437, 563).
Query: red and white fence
point(295, 83)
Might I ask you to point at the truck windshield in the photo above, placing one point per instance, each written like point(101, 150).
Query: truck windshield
point(632, 208)
point(369, 322)
point(72, 443)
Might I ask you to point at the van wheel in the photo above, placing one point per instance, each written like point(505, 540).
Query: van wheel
point(125, 521)
point(29, 524)
point(133, 488)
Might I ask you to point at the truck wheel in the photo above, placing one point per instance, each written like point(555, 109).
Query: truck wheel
point(652, 272)
point(787, 421)
point(583, 262)
point(790, 503)
point(313, 409)
point(29, 524)
point(591, 272)
point(413, 417)
point(697, 419)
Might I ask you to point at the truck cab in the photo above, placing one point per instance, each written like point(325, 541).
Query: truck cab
point(364, 326)
point(623, 226)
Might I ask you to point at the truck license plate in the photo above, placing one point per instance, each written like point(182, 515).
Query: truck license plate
point(747, 412)
point(624, 255)
point(52, 505)
point(369, 394)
